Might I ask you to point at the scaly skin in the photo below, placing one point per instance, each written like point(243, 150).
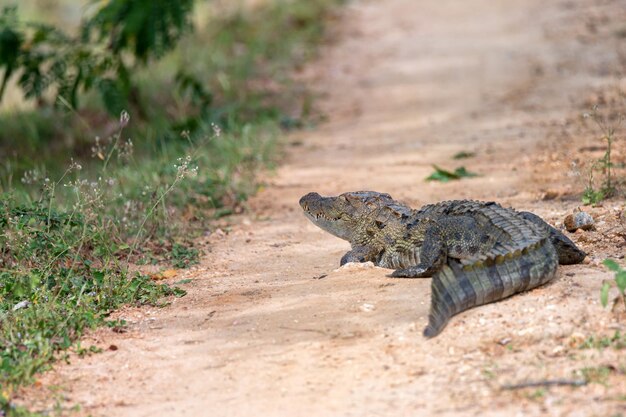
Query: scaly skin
point(476, 252)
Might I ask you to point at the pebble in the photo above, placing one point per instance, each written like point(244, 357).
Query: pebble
point(21, 305)
point(365, 307)
point(504, 341)
point(557, 350)
point(578, 220)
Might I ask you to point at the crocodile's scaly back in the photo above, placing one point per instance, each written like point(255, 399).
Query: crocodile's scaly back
point(511, 233)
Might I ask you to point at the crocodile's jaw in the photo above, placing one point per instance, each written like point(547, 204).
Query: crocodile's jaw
point(325, 213)
point(334, 227)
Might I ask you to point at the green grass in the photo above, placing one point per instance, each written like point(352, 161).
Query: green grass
point(61, 272)
point(608, 125)
point(76, 211)
point(617, 341)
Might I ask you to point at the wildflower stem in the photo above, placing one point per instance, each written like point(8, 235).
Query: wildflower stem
point(148, 215)
point(113, 148)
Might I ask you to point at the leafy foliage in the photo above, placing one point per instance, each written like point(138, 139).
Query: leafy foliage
point(146, 28)
point(233, 69)
point(47, 58)
point(444, 175)
point(183, 256)
point(592, 196)
point(10, 43)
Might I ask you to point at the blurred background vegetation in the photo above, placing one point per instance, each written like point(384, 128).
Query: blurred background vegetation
point(70, 67)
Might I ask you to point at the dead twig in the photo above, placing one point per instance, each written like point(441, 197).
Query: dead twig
point(547, 383)
point(304, 330)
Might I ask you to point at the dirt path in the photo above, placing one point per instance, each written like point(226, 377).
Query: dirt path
point(270, 327)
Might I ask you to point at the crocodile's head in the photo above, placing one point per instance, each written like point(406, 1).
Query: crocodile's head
point(346, 214)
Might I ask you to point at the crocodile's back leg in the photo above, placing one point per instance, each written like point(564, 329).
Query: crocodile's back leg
point(456, 289)
point(566, 249)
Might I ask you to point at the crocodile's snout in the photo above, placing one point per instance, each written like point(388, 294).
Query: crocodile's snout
point(306, 200)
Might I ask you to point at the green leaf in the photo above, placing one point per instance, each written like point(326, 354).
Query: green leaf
point(461, 172)
point(441, 175)
point(464, 155)
point(178, 292)
point(604, 294)
point(10, 43)
point(113, 96)
point(147, 28)
point(444, 175)
point(620, 280)
point(33, 81)
point(611, 264)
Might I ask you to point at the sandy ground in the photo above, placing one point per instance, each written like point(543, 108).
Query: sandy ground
point(271, 327)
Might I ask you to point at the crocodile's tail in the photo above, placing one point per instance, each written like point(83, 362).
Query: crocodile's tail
point(457, 288)
point(567, 250)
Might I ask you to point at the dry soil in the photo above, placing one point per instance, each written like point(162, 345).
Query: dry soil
point(272, 327)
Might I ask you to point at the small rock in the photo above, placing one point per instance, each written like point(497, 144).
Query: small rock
point(366, 308)
point(578, 220)
point(527, 330)
point(557, 350)
point(504, 341)
point(21, 305)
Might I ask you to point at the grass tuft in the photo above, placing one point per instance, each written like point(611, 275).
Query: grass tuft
point(443, 175)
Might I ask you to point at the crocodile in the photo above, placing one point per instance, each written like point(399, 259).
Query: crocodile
point(476, 252)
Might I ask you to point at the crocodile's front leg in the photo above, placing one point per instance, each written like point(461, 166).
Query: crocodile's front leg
point(360, 254)
point(432, 258)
